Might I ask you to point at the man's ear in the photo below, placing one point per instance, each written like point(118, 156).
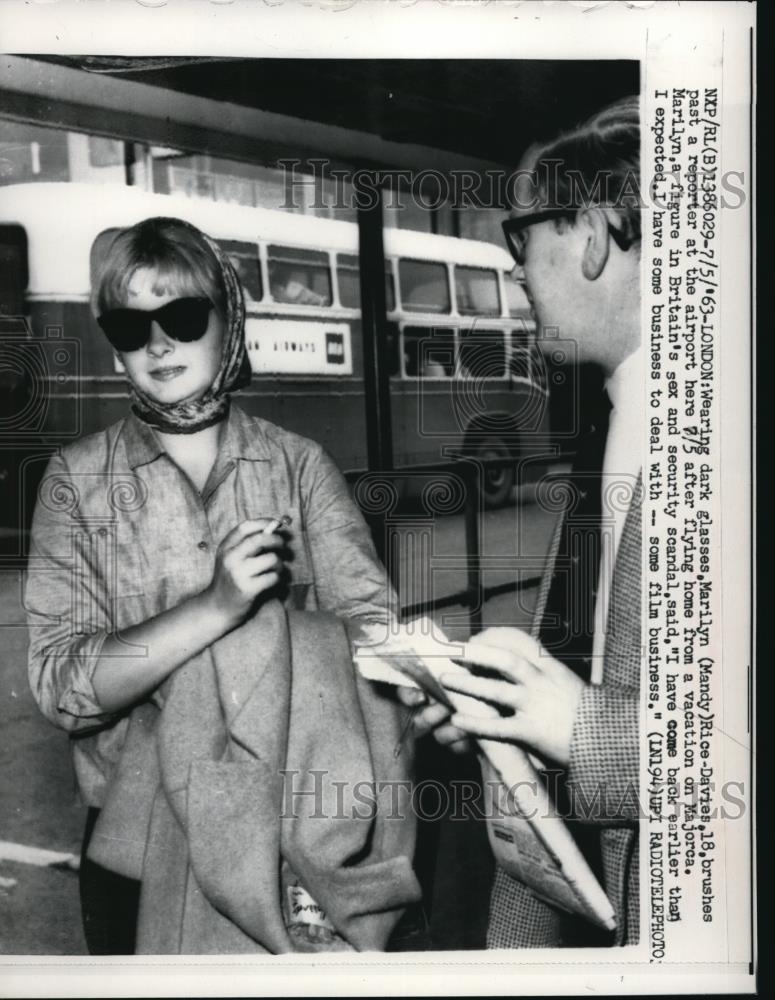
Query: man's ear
point(596, 249)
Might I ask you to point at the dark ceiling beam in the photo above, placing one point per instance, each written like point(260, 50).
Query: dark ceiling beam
point(134, 64)
point(46, 93)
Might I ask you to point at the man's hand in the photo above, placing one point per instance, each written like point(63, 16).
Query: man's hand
point(434, 718)
point(540, 693)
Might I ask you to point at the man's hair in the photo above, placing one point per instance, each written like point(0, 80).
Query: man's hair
point(177, 251)
point(596, 163)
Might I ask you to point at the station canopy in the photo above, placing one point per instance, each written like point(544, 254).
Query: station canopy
point(488, 110)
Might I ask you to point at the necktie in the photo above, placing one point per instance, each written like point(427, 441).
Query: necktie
point(567, 629)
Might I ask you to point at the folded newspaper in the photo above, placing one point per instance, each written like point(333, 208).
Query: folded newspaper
point(528, 838)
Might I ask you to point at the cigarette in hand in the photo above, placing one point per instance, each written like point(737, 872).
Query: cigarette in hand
point(277, 523)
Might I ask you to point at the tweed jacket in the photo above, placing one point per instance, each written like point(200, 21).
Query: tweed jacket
point(268, 749)
point(604, 762)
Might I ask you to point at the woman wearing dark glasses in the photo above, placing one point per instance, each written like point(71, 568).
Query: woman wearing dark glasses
point(157, 536)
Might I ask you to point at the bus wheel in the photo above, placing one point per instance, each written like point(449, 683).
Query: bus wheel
point(497, 480)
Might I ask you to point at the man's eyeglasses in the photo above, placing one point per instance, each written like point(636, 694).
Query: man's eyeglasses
point(183, 319)
point(515, 231)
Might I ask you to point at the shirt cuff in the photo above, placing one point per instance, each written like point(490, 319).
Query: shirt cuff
point(79, 699)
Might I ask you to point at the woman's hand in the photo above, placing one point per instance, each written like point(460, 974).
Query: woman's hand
point(247, 564)
point(541, 693)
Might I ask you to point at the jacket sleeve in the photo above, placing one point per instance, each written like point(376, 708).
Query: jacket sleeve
point(349, 578)
point(603, 772)
point(67, 604)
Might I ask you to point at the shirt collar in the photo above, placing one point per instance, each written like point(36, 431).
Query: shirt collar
point(142, 445)
point(243, 438)
point(626, 383)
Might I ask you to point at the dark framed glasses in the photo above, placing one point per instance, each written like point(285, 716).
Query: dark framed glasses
point(183, 319)
point(515, 231)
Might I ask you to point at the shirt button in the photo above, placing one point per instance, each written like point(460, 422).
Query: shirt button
point(202, 545)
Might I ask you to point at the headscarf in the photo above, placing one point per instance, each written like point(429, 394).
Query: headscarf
point(234, 373)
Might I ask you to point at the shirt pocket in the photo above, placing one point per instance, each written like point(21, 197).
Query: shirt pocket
point(302, 578)
point(301, 597)
point(299, 587)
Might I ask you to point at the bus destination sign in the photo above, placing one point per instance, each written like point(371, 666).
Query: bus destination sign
point(298, 347)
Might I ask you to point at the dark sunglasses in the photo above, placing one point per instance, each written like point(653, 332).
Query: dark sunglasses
point(516, 236)
point(184, 319)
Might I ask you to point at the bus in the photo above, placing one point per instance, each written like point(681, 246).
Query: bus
point(465, 375)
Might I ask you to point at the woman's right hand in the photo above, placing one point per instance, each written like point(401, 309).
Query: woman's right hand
point(247, 564)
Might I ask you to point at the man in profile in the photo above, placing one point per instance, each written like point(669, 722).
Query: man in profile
point(575, 704)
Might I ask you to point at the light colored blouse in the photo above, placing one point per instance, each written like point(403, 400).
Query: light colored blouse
point(120, 534)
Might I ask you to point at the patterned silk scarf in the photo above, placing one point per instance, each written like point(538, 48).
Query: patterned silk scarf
point(234, 373)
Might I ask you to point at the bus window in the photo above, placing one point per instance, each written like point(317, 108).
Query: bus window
point(516, 299)
point(428, 353)
point(482, 353)
point(13, 270)
point(349, 279)
point(244, 258)
point(424, 286)
point(476, 290)
point(521, 358)
point(300, 277)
